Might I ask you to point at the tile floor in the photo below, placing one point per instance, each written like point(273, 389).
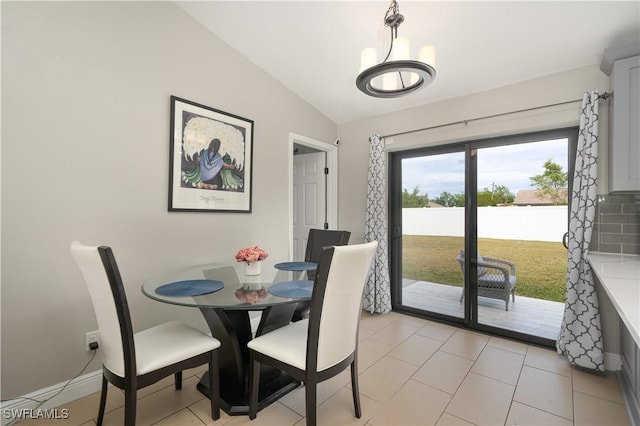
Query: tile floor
point(412, 372)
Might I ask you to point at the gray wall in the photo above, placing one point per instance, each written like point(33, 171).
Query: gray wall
point(85, 149)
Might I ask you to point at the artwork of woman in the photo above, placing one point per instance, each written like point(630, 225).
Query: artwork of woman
point(211, 163)
point(213, 155)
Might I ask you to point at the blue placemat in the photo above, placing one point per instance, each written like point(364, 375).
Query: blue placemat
point(189, 288)
point(296, 266)
point(296, 289)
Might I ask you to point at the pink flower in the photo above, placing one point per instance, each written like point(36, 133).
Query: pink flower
point(251, 254)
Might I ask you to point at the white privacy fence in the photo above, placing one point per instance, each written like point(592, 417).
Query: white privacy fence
point(531, 223)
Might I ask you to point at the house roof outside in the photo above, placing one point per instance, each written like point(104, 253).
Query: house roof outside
point(532, 197)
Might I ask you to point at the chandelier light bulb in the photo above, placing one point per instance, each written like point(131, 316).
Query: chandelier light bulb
point(400, 49)
point(427, 55)
point(368, 58)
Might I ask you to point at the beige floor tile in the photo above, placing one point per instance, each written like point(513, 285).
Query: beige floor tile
point(416, 350)
point(418, 322)
point(507, 345)
point(482, 400)
point(547, 359)
point(414, 404)
point(159, 405)
point(378, 321)
point(605, 386)
point(384, 378)
point(499, 364)
point(590, 410)
point(202, 409)
point(546, 391)
point(408, 367)
point(437, 331)
point(363, 333)
point(395, 333)
point(295, 400)
point(444, 371)
point(465, 344)
point(370, 352)
point(339, 409)
point(183, 417)
point(449, 420)
point(521, 414)
point(274, 415)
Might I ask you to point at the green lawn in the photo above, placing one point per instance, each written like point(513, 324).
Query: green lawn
point(540, 266)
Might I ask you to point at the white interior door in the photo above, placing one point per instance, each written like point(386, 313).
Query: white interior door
point(309, 198)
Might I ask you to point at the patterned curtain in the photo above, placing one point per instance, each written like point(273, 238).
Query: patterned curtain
point(580, 337)
point(377, 291)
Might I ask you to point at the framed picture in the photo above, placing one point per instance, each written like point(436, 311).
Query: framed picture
point(210, 159)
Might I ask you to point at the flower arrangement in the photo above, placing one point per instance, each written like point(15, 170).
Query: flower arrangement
point(251, 254)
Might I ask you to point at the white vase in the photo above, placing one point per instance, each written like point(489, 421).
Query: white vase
point(252, 268)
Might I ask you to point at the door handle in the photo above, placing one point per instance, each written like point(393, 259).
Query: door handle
point(565, 240)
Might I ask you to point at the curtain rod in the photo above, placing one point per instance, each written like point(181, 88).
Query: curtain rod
point(604, 95)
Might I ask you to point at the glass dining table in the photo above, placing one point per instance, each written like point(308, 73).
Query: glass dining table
point(225, 297)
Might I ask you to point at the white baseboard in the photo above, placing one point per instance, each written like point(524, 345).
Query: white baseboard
point(78, 388)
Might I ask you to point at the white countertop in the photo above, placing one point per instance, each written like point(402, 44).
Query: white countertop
point(619, 275)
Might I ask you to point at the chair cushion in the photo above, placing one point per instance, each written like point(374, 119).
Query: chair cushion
point(288, 344)
point(496, 281)
point(168, 344)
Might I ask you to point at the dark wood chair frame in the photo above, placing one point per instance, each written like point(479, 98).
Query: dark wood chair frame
point(309, 376)
point(131, 381)
point(318, 238)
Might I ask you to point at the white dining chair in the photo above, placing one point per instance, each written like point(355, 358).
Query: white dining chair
point(320, 347)
point(131, 361)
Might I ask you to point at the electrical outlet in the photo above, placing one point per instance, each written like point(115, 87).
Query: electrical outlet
point(92, 336)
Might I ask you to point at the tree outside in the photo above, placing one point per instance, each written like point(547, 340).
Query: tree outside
point(552, 183)
point(450, 200)
point(414, 199)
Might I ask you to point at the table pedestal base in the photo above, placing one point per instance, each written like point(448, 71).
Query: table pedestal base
point(233, 329)
point(273, 386)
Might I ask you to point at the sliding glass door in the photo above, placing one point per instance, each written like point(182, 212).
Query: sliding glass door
point(504, 202)
point(432, 221)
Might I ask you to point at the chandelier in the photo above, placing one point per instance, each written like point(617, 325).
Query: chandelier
point(396, 75)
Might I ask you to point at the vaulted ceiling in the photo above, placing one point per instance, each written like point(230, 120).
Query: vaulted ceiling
point(314, 48)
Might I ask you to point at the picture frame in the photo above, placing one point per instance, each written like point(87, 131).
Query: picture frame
point(210, 159)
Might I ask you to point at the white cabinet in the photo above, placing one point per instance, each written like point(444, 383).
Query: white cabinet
point(624, 116)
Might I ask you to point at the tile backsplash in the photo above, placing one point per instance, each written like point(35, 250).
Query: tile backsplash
point(617, 227)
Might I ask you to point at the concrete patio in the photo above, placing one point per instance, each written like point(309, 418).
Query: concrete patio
point(527, 315)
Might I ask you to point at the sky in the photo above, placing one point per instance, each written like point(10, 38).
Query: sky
point(511, 166)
